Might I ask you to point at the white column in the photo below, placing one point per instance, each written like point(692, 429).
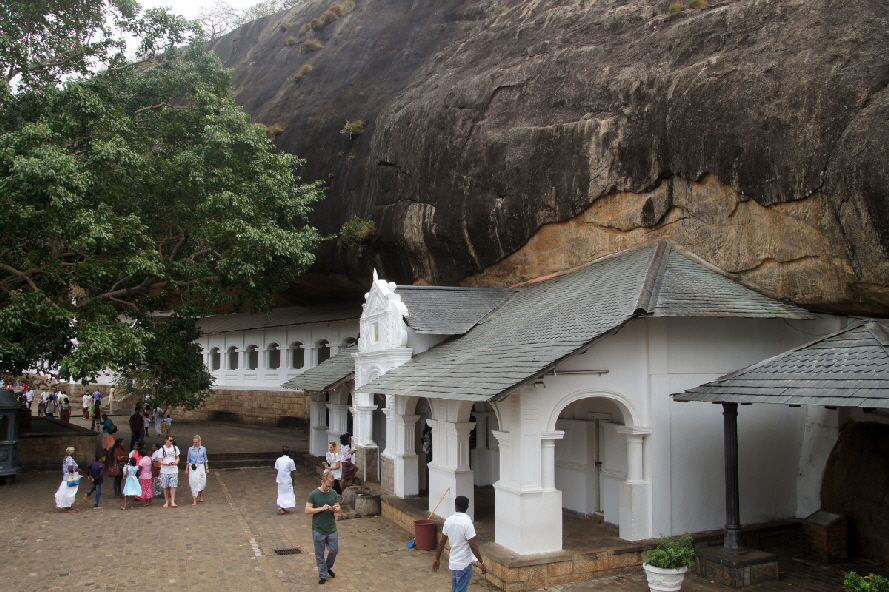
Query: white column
point(363, 409)
point(339, 421)
point(529, 507)
point(366, 452)
point(318, 431)
point(483, 457)
point(402, 441)
point(635, 492)
point(548, 459)
point(391, 421)
point(449, 472)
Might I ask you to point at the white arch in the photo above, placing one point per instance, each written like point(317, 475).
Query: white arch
point(632, 417)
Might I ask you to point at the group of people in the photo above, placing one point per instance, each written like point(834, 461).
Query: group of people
point(145, 477)
point(50, 403)
point(134, 475)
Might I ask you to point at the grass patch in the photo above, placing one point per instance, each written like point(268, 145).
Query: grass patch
point(304, 29)
point(285, 25)
point(676, 7)
point(310, 45)
point(303, 72)
point(273, 131)
point(289, 41)
point(697, 4)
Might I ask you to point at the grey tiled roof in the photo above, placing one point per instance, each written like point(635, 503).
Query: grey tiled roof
point(847, 369)
point(327, 374)
point(547, 321)
point(279, 317)
point(448, 311)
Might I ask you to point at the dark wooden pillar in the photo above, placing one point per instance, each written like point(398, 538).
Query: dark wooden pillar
point(733, 541)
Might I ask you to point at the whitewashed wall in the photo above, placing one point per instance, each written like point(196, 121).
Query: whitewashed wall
point(336, 333)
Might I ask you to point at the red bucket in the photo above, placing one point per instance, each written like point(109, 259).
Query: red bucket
point(424, 534)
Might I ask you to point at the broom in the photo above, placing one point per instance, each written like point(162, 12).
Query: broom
point(413, 542)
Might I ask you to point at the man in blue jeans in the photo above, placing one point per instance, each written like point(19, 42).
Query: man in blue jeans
point(458, 529)
point(95, 471)
point(323, 504)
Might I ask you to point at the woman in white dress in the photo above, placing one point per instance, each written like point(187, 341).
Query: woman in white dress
point(67, 494)
point(196, 467)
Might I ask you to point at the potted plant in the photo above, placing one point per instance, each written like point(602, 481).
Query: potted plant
point(666, 564)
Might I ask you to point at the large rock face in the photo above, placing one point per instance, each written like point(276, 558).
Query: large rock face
point(509, 139)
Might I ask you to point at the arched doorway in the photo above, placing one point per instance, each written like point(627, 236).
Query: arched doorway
point(596, 463)
point(591, 458)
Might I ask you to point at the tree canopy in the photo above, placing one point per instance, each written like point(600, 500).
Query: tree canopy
point(139, 189)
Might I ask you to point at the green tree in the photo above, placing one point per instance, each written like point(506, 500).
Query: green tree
point(139, 189)
point(42, 41)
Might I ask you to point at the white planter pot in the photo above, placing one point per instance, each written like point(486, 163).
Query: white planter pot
point(664, 580)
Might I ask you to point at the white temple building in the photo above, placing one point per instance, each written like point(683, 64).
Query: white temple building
point(557, 394)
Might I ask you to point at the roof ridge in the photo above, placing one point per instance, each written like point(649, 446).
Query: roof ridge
point(879, 332)
point(653, 279)
point(449, 288)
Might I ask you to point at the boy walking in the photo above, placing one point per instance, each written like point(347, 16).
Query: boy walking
point(323, 504)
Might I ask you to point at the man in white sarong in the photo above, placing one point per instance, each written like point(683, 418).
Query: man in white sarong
point(285, 467)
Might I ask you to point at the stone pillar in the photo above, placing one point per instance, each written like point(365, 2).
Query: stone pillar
point(483, 457)
point(529, 507)
point(449, 472)
point(339, 421)
point(635, 492)
point(318, 430)
point(733, 541)
point(401, 444)
point(367, 456)
point(548, 459)
point(309, 357)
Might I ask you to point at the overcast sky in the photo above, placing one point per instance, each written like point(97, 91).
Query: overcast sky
point(190, 8)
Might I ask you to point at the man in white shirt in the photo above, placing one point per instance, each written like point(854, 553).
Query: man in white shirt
point(86, 401)
point(286, 495)
point(458, 529)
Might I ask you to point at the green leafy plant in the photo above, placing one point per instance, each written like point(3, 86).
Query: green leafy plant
point(289, 41)
point(348, 6)
point(356, 233)
point(869, 583)
point(310, 45)
point(676, 7)
point(353, 129)
point(697, 4)
point(671, 553)
point(303, 72)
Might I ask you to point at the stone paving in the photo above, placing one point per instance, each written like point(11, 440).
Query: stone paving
point(228, 543)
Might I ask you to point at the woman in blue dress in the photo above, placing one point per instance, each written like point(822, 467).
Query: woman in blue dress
point(131, 486)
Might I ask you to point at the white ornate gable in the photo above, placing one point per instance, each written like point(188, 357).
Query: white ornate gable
point(382, 322)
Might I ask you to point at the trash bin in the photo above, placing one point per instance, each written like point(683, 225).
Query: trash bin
point(424, 534)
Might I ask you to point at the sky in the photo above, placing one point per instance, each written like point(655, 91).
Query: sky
point(190, 8)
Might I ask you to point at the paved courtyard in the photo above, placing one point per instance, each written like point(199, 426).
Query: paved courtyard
point(228, 543)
